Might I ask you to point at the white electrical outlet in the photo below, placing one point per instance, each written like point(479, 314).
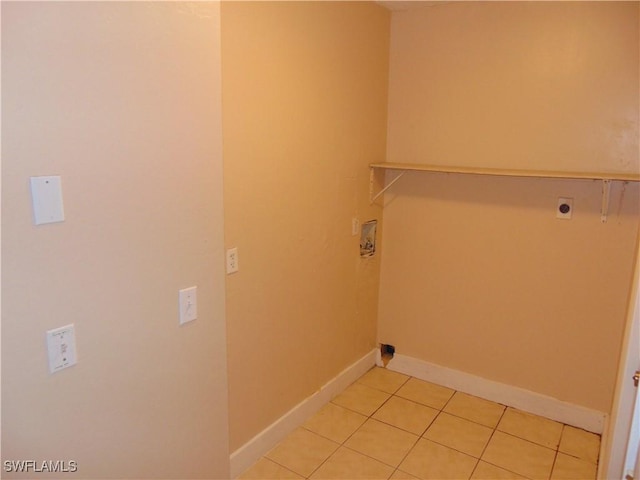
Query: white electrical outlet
point(232, 260)
point(188, 304)
point(61, 346)
point(355, 226)
point(565, 208)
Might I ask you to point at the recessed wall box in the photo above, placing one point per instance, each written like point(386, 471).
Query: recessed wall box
point(368, 238)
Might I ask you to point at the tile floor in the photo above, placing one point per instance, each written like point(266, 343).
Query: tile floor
point(391, 426)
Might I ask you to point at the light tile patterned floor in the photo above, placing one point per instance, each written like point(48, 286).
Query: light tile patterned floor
point(391, 426)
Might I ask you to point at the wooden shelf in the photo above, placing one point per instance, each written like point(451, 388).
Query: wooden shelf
point(605, 177)
point(505, 172)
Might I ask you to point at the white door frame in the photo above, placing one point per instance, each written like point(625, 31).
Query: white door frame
point(616, 438)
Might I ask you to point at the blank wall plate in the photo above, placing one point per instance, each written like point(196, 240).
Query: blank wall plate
point(46, 198)
point(61, 346)
point(188, 299)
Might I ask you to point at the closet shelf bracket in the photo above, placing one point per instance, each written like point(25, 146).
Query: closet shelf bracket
point(606, 194)
point(372, 197)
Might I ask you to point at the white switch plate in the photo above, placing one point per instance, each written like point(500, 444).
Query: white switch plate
point(188, 299)
point(232, 260)
point(46, 198)
point(61, 346)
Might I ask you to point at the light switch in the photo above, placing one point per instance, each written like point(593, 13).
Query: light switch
point(188, 304)
point(61, 346)
point(46, 197)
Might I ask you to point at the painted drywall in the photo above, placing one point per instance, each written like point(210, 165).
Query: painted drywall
point(477, 273)
point(122, 100)
point(304, 108)
point(516, 85)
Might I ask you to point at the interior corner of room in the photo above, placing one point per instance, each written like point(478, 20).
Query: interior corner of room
point(455, 183)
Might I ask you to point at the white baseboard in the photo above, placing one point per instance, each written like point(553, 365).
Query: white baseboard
point(245, 456)
point(526, 400)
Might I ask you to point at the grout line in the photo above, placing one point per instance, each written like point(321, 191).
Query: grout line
point(324, 461)
point(431, 424)
point(528, 441)
point(407, 454)
point(277, 463)
point(506, 469)
point(450, 448)
point(493, 431)
point(474, 468)
point(449, 400)
point(381, 405)
point(469, 420)
point(320, 435)
point(553, 465)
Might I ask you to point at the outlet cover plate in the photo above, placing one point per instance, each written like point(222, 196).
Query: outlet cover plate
point(61, 347)
point(232, 260)
point(355, 226)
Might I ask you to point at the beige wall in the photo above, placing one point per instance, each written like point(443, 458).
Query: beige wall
point(304, 107)
point(477, 273)
point(549, 85)
point(122, 101)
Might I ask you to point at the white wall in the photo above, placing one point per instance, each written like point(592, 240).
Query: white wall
point(122, 100)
